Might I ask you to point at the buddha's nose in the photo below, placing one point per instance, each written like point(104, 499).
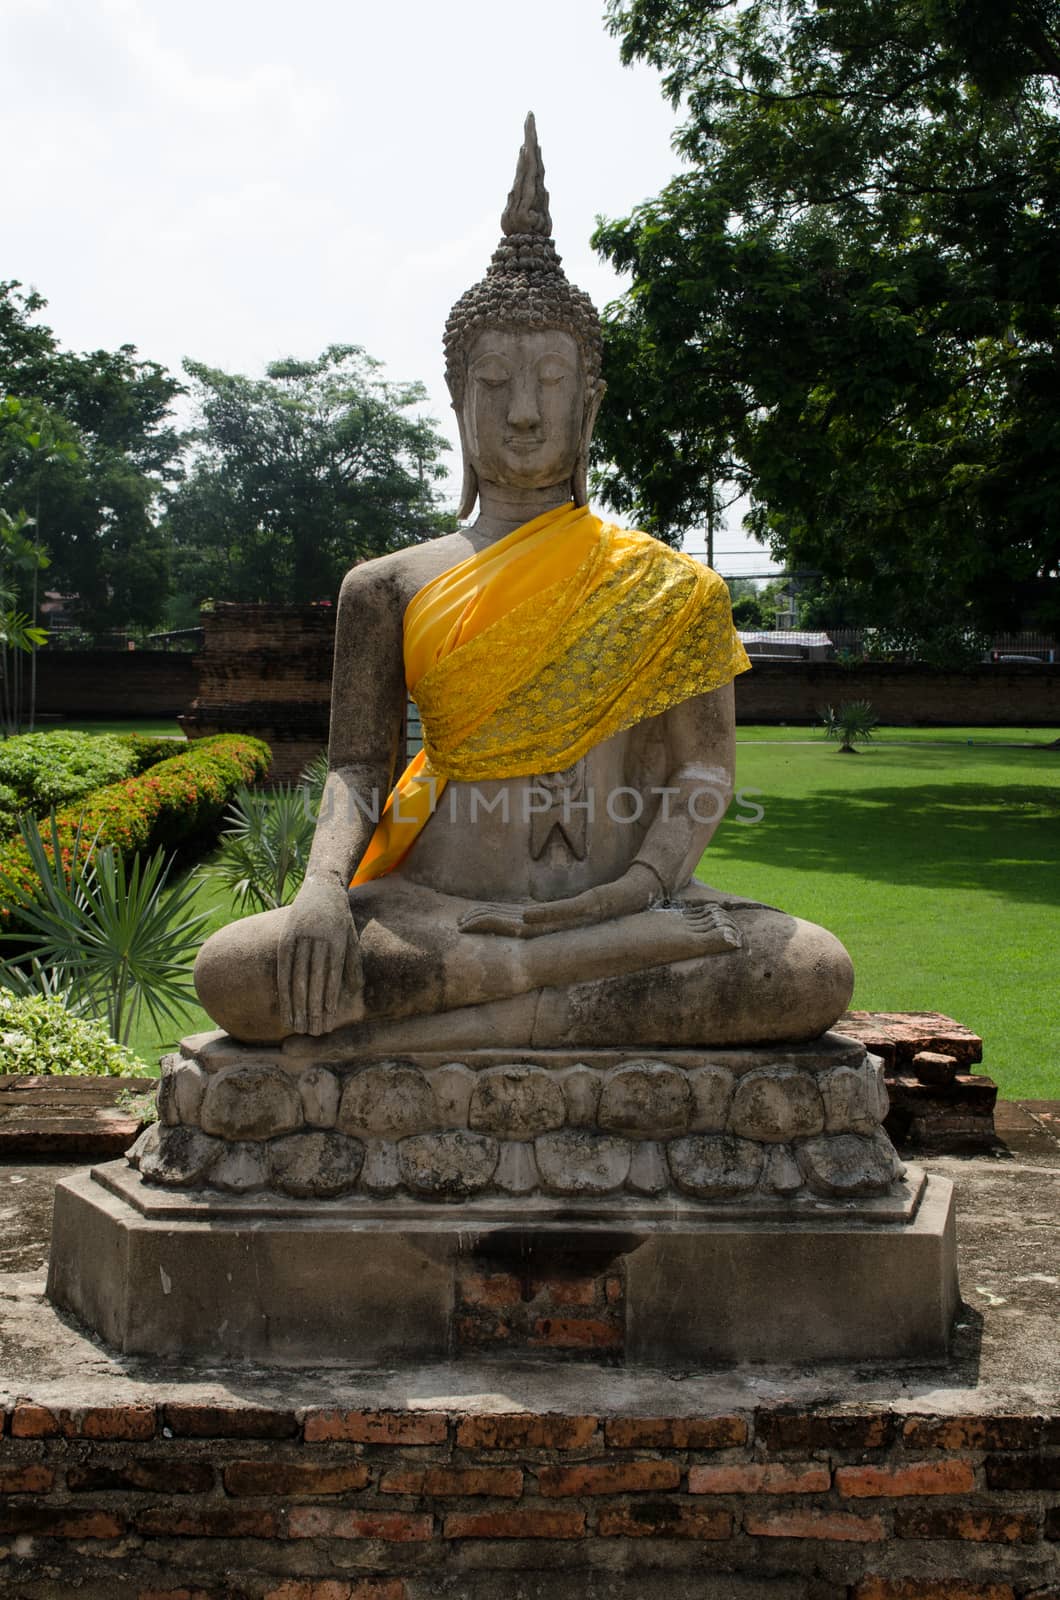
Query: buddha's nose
point(523, 409)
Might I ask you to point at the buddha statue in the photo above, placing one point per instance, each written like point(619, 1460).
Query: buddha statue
point(529, 881)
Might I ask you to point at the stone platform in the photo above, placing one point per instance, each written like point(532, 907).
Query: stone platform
point(126, 1477)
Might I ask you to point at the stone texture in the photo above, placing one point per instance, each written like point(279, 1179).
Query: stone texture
point(250, 1102)
point(146, 1144)
point(516, 1102)
point(315, 1165)
point(393, 1098)
point(448, 1164)
point(180, 1092)
point(319, 1090)
point(181, 1157)
point(712, 1091)
point(645, 1098)
point(776, 1105)
point(516, 1169)
point(578, 1162)
point(715, 1166)
point(451, 1086)
point(851, 1100)
point(648, 1173)
point(381, 1173)
point(782, 1174)
point(581, 1090)
point(847, 1164)
point(934, 1066)
point(241, 1168)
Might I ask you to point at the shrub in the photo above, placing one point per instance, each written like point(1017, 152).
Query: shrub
point(39, 1036)
point(855, 719)
point(40, 770)
point(170, 803)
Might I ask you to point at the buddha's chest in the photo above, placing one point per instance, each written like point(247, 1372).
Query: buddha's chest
point(546, 836)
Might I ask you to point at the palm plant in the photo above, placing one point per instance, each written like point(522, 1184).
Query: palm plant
point(112, 938)
point(855, 719)
point(265, 848)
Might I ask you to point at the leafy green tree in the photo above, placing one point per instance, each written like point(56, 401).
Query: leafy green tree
point(848, 300)
point(299, 474)
point(86, 446)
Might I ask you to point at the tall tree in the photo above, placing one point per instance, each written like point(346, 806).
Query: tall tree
point(86, 452)
point(848, 300)
point(299, 474)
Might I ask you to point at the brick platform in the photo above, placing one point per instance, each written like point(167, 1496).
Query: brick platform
point(937, 1102)
point(66, 1117)
point(145, 1501)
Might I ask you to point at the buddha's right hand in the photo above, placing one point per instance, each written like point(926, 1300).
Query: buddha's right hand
point(318, 959)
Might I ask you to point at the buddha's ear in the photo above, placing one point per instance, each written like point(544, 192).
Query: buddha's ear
point(580, 475)
point(469, 486)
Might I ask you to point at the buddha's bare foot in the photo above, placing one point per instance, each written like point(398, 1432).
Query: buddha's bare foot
point(718, 931)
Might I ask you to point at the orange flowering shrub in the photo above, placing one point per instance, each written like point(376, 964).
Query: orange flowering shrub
point(171, 802)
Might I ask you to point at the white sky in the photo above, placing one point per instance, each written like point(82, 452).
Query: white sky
point(238, 180)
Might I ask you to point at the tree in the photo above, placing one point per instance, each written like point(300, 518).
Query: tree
point(298, 475)
point(104, 449)
point(848, 301)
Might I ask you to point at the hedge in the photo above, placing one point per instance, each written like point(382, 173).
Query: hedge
point(171, 802)
point(39, 1036)
point(41, 770)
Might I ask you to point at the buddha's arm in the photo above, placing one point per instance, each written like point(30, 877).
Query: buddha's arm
point(701, 739)
point(317, 957)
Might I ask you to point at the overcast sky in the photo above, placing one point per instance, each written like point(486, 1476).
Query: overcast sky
point(238, 181)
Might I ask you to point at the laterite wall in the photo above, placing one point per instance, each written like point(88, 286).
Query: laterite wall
point(114, 683)
point(985, 696)
point(217, 1502)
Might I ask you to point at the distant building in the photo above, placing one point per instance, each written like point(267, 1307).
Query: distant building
point(787, 643)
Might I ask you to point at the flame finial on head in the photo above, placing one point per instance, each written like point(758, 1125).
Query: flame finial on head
point(527, 208)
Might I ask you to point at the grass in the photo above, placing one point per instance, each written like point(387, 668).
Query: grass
point(934, 861)
point(159, 728)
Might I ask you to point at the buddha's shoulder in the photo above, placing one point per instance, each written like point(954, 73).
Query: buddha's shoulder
point(402, 573)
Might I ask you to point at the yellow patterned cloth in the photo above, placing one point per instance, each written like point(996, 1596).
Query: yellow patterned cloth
point(528, 654)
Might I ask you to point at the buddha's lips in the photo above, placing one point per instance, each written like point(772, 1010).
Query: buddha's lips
point(523, 443)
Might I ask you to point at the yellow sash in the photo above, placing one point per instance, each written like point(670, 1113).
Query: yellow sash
point(528, 654)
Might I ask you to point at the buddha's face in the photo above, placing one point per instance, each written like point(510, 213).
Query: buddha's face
point(523, 407)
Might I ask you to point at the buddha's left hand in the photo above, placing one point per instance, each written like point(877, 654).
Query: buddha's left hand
point(631, 893)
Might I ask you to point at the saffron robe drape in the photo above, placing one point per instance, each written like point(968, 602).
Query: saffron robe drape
point(529, 653)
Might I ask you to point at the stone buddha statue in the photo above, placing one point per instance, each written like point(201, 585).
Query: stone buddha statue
point(530, 880)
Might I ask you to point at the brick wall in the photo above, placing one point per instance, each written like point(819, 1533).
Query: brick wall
point(986, 696)
point(114, 683)
point(224, 1502)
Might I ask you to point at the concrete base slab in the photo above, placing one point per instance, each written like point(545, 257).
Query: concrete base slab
point(323, 1286)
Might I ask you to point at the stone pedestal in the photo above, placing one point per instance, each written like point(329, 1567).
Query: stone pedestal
point(717, 1205)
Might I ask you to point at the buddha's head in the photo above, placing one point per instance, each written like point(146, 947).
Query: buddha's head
point(522, 355)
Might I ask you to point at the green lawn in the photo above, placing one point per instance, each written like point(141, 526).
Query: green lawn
point(936, 863)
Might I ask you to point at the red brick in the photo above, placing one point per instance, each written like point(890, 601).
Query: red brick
point(919, 1589)
point(339, 1589)
point(26, 1480)
point(971, 1433)
point(506, 1483)
point(835, 1525)
point(659, 1519)
point(493, 1290)
point(292, 1480)
point(229, 1422)
point(626, 1477)
point(334, 1522)
point(33, 1422)
point(207, 1522)
point(179, 1594)
point(377, 1427)
point(60, 1522)
point(923, 1477)
point(613, 1291)
point(807, 1430)
point(576, 1333)
point(109, 1422)
point(675, 1433)
point(154, 1474)
point(1023, 1472)
point(525, 1430)
point(759, 1477)
point(528, 1524)
point(567, 1291)
point(471, 1331)
point(958, 1522)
